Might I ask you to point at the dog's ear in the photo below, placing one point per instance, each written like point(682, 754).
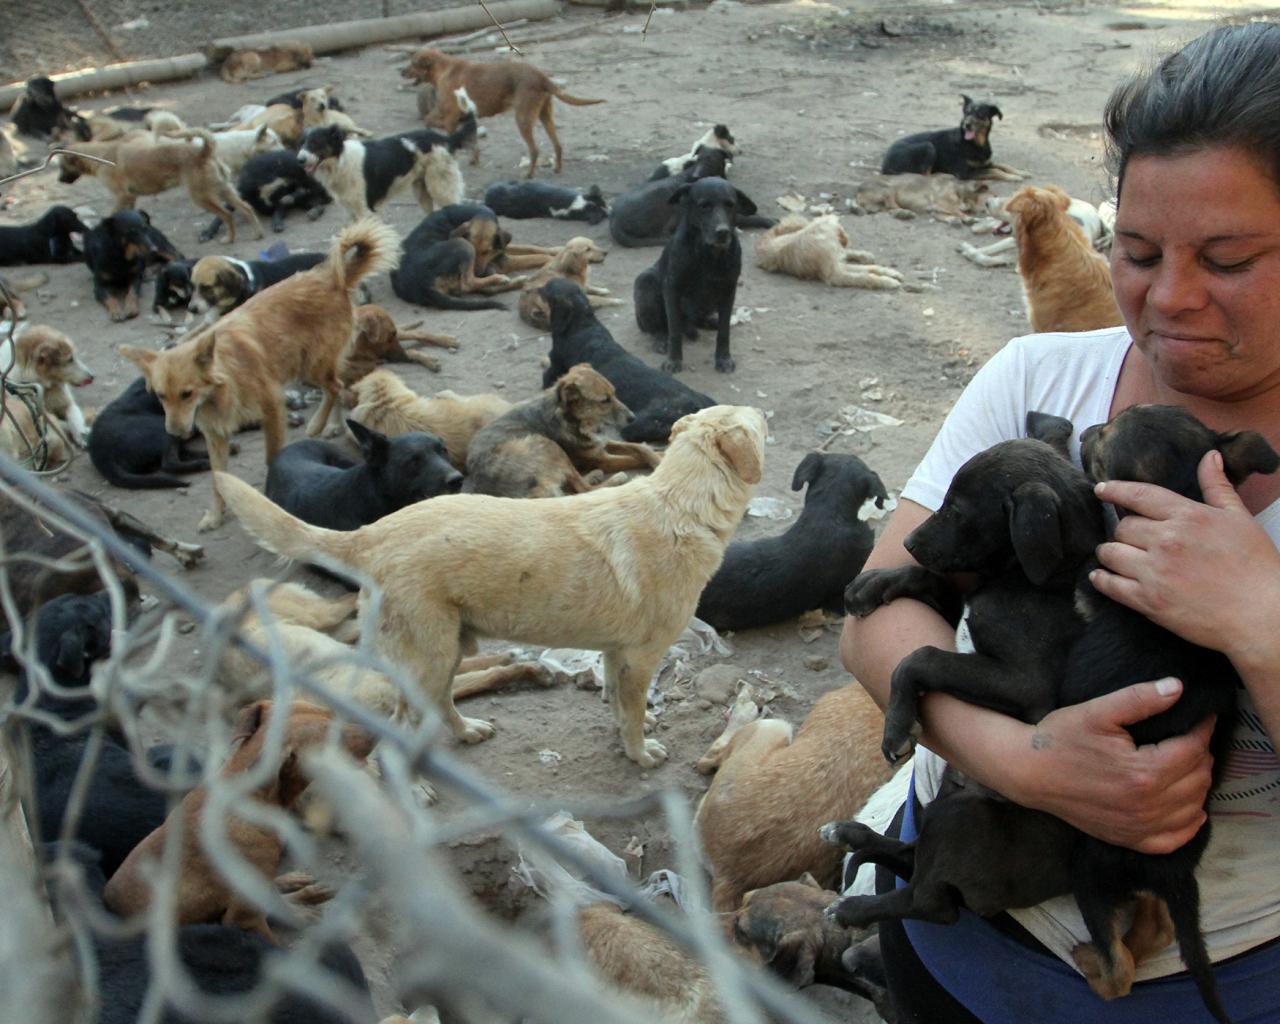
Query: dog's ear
point(1245, 452)
point(142, 357)
point(372, 444)
point(678, 195)
point(808, 879)
point(69, 660)
point(794, 955)
point(739, 448)
point(996, 111)
point(966, 103)
point(249, 721)
point(745, 205)
point(808, 471)
point(1035, 529)
point(1052, 430)
point(203, 357)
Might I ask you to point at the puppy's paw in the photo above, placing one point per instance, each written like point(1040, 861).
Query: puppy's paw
point(725, 364)
point(672, 365)
point(848, 912)
point(653, 754)
point(869, 590)
point(475, 730)
point(848, 835)
point(209, 521)
point(897, 747)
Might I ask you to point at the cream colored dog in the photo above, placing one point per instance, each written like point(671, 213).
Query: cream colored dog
point(618, 570)
point(818, 250)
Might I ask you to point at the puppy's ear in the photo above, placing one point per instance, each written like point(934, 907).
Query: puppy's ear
point(678, 195)
point(966, 103)
point(69, 660)
point(1035, 529)
point(1245, 452)
point(203, 356)
point(142, 357)
point(808, 471)
point(1053, 430)
point(794, 955)
point(373, 445)
point(739, 448)
point(996, 112)
point(745, 205)
point(250, 720)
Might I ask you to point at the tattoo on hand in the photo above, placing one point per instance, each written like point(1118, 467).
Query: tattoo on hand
point(1041, 740)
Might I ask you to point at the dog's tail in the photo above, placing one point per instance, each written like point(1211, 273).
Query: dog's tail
point(202, 135)
point(1183, 901)
point(363, 248)
point(440, 300)
point(465, 134)
point(564, 97)
point(279, 532)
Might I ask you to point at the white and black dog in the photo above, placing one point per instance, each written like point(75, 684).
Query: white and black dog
point(717, 137)
point(521, 200)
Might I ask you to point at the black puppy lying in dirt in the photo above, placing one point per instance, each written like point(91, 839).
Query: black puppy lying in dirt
point(130, 447)
point(656, 399)
point(696, 277)
point(318, 482)
point(964, 152)
point(644, 215)
point(521, 200)
point(807, 566)
point(46, 240)
point(274, 183)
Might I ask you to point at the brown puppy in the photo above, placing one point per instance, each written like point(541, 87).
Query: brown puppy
point(203, 895)
point(232, 374)
point(145, 168)
point(576, 256)
point(316, 113)
point(618, 570)
point(383, 402)
point(378, 340)
point(541, 447)
point(260, 61)
point(759, 819)
point(818, 250)
point(495, 89)
point(28, 438)
point(1066, 282)
point(45, 356)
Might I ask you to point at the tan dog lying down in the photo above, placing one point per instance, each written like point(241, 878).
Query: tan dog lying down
point(941, 195)
point(573, 262)
point(378, 339)
point(818, 250)
point(203, 895)
point(618, 570)
point(759, 819)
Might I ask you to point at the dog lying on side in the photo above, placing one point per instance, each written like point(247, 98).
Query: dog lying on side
point(964, 152)
point(665, 533)
point(656, 399)
point(203, 895)
point(521, 200)
point(440, 274)
point(1097, 223)
point(948, 199)
point(573, 263)
point(696, 277)
point(716, 137)
point(378, 340)
point(321, 484)
point(45, 356)
point(383, 402)
point(810, 564)
point(220, 284)
point(259, 61)
point(818, 250)
point(130, 448)
point(647, 215)
point(541, 447)
point(50, 239)
point(232, 374)
point(274, 183)
point(494, 89)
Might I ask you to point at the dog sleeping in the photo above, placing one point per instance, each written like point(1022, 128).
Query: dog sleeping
point(818, 250)
point(636, 556)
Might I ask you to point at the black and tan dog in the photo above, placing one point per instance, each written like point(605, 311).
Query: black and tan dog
point(440, 273)
point(542, 446)
point(964, 152)
point(50, 239)
point(118, 251)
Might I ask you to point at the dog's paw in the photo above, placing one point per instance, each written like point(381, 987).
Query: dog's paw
point(897, 747)
point(869, 590)
point(672, 365)
point(848, 835)
point(209, 521)
point(653, 754)
point(475, 730)
point(650, 720)
point(725, 364)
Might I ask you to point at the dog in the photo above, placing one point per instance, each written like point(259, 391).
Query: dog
point(949, 199)
point(441, 274)
point(39, 113)
point(572, 264)
point(321, 484)
point(318, 112)
point(521, 200)
point(203, 895)
point(378, 340)
point(27, 435)
point(51, 239)
point(758, 821)
point(293, 98)
point(494, 89)
point(964, 152)
point(1066, 283)
point(541, 447)
point(118, 251)
point(362, 176)
point(235, 149)
point(274, 183)
point(130, 448)
point(260, 61)
point(142, 169)
point(478, 224)
point(173, 293)
point(810, 564)
point(646, 215)
point(1097, 223)
point(45, 356)
point(232, 374)
point(657, 399)
point(384, 403)
point(490, 566)
point(818, 250)
point(716, 137)
point(71, 632)
point(220, 284)
point(696, 276)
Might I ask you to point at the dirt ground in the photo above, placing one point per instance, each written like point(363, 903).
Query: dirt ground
point(814, 93)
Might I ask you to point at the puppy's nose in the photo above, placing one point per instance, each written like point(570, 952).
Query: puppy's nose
point(453, 483)
point(723, 235)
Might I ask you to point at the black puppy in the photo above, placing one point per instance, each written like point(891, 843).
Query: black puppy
point(129, 446)
point(72, 631)
point(696, 277)
point(657, 399)
point(964, 151)
point(117, 251)
point(645, 215)
point(173, 291)
point(807, 566)
point(524, 199)
point(47, 240)
point(321, 484)
point(39, 112)
point(274, 183)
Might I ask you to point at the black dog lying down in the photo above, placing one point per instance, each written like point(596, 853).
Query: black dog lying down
point(274, 183)
point(962, 837)
point(964, 151)
point(645, 215)
point(130, 447)
point(46, 240)
point(656, 399)
point(321, 484)
point(717, 137)
point(807, 566)
point(40, 113)
point(521, 200)
point(695, 280)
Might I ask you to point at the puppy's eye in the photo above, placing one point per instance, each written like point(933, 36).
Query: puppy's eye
point(187, 393)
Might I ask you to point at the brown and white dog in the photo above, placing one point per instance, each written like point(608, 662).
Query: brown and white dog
point(573, 262)
point(617, 570)
point(45, 356)
point(379, 340)
point(818, 250)
point(232, 374)
point(494, 89)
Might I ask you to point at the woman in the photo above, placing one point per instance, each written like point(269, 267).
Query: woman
point(1195, 146)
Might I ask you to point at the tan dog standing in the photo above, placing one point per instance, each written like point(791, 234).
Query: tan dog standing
point(573, 262)
point(618, 570)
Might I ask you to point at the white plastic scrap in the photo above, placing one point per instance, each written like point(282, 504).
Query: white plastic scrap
point(761, 507)
point(551, 879)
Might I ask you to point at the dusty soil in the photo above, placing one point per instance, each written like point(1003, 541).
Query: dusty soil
point(814, 94)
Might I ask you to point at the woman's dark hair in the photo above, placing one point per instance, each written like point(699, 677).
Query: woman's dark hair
point(1220, 90)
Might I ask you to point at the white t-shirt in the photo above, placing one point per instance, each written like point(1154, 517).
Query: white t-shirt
point(1074, 375)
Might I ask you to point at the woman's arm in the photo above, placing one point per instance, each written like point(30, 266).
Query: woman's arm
point(1150, 798)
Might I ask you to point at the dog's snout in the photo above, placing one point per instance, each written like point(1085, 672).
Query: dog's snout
point(453, 483)
point(723, 235)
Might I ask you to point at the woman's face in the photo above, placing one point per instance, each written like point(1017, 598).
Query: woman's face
point(1196, 268)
